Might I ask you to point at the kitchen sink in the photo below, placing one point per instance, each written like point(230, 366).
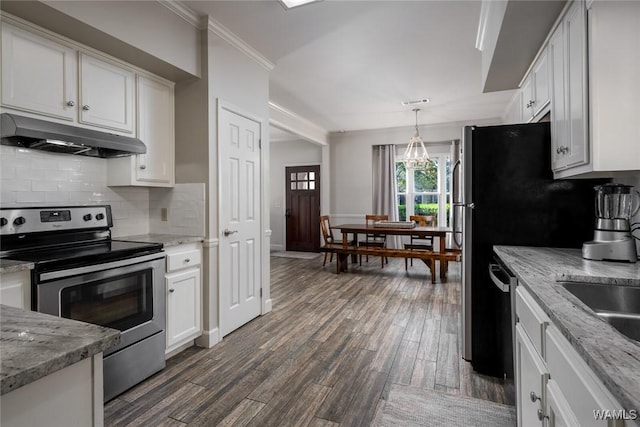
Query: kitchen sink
point(618, 305)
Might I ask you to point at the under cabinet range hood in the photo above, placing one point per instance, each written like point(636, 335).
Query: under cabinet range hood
point(39, 134)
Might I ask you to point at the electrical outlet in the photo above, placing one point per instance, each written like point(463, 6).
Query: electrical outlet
point(164, 214)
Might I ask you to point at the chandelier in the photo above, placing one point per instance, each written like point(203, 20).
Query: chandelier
point(416, 156)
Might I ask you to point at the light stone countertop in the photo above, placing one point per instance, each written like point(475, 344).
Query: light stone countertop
point(167, 240)
point(34, 345)
point(12, 266)
point(613, 357)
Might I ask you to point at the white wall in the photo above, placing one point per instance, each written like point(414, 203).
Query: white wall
point(283, 154)
point(351, 158)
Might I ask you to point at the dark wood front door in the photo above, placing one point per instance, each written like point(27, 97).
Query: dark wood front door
point(303, 208)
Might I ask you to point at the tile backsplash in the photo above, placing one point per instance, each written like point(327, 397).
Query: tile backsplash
point(185, 207)
point(38, 178)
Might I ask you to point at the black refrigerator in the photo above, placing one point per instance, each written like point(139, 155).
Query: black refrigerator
point(508, 197)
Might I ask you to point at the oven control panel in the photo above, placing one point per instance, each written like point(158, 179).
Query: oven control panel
point(57, 218)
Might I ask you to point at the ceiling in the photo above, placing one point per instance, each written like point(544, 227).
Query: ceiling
point(348, 65)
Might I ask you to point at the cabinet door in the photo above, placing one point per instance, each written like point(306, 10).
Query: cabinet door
point(156, 130)
point(541, 80)
point(38, 75)
point(531, 375)
point(576, 82)
point(559, 125)
point(183, 306)
point(558, 410)
point(15, 289)
point(106, 94)
point(527, 99)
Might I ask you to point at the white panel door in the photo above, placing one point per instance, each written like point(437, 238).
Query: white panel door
point(240, 241)
point(38, 75)
point(106, 94)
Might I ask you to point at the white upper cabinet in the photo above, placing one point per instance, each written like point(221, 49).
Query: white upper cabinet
point(38, 75)
point(155, 123)
point(595, 105)
point(541, 73)
point(44, 77)
point(106, 94)
point(535, 90)
point(156, 130)
point(569, 132)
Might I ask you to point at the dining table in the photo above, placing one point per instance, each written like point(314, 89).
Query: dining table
point(377, 229)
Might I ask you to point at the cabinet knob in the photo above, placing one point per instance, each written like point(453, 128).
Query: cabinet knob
point(541, 415)
point(143, 167)
point(86, 107)
point(171, 290)
point(533, 396)
point(71, 103)
point(187, 260)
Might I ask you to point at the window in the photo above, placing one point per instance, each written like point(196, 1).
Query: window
point(425, 192)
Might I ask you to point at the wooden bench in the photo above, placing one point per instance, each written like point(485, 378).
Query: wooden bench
point(428, 257)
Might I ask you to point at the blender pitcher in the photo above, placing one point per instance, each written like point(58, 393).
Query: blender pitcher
point(614, 203)
point(612, 237)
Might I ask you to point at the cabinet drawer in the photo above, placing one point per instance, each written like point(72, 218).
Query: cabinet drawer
point(533, 320)
point(183, 260)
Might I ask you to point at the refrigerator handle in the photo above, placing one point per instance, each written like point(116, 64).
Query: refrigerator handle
point(455, 205)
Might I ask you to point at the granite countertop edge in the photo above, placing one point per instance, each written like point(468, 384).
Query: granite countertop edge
point(13, 266)
point(614, 358)
point(13, 376)
point(167, 240)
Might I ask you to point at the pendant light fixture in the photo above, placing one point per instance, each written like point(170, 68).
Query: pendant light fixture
point(416, 156)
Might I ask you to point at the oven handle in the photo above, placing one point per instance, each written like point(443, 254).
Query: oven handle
point(99, 267)
point(504, 287)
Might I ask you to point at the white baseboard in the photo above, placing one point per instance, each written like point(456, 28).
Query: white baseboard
point(277, 248)
point(208, 338)
point(266, 306)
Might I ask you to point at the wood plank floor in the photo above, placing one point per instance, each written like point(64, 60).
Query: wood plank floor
point(326, 355)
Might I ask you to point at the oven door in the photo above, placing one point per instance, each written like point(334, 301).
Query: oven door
point(125, 295)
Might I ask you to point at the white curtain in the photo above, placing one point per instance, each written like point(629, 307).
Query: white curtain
point(385, 199)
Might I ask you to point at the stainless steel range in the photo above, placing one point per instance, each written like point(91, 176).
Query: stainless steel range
point(81, 273)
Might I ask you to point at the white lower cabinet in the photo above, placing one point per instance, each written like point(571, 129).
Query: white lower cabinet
point(15, 289)
point(532, 375)
point(554, 385)
point(184, 295)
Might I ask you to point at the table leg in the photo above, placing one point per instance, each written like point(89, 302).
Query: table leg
point(444, 265)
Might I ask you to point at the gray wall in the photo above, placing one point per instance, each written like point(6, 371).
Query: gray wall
point(283, 154)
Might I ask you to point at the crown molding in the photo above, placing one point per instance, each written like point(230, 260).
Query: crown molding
point(225, 34)
point(201, 22)
point(184, 12)
point(296, 124)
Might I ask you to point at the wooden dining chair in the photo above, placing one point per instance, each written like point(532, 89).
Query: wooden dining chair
point(417, 242)
point(374, 240)
point(327, 236)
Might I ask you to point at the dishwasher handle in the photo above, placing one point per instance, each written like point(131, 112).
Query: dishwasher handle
point(503, 286)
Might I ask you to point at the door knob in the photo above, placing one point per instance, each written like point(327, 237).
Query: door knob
point(228, 232)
